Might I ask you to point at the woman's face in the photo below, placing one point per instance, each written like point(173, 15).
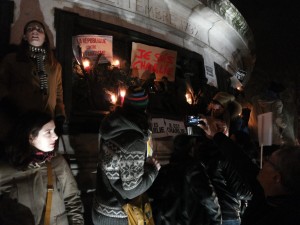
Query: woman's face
point(46, 138)
point(35, 34)
point(216, 109)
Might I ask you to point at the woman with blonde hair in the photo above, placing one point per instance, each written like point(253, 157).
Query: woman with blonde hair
point(225, 107)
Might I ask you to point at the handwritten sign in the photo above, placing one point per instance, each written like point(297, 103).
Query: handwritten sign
point(91, 47)
point(175, 127)
point(158, 128)
point(146, 60)
point(163, 127)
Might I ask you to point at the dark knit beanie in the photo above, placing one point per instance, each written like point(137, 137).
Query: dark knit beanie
point(136, 97)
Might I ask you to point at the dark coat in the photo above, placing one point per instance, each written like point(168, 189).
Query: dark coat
point(276, 210)
point(183, 193)
point(231, 188)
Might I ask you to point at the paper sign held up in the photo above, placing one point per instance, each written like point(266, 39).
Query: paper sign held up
point(92, 46)
point(265, 129)
point(146, 60)
point(163, 127)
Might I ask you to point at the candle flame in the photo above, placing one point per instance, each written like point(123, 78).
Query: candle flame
point(188, 98)
point(86, 63)
point(122, 93)
point(113, 98)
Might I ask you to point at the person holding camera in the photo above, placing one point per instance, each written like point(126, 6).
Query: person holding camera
point(275, 187)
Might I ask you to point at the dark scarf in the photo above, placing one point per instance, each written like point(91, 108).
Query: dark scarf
point(40, 157)
point(39, 56)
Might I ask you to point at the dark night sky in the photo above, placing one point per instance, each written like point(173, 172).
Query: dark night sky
point(275, 28)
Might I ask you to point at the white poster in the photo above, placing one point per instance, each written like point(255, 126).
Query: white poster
point(175, 127)
point(158, 128)
point(96, 48)
point(210, 67)
point(163, 127)
point(146, 60)
point(265, 129)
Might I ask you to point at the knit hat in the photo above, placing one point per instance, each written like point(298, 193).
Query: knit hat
point(136, 97)
point(228, 102)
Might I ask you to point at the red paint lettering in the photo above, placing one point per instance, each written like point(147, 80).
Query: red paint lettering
point(143, 54)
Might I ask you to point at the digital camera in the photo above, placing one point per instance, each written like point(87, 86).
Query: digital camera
point(193, 120)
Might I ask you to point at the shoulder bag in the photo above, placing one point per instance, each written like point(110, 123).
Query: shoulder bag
point(49, 194)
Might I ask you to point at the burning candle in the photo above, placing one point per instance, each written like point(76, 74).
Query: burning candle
point(113, 98)
point(188, 98)
point(86, 64)
point(116, 63)
point(122, 95)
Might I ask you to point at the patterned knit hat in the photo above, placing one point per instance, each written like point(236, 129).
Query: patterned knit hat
point(136, 97)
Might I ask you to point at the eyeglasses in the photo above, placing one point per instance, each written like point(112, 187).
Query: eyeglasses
point(37, 28)
point(268, 160)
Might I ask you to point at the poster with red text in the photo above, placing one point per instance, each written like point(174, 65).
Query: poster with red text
point(96, 48)
point(147, 60)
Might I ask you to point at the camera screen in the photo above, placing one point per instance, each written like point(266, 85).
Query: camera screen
point(193, 120)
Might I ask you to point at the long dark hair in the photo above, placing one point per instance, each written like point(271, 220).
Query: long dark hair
point(24, 45)
point(19, 151)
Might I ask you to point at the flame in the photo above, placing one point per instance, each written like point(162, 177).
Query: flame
point(116, 63)
point(122, 93)
point(188, 98)
point(113, 98)
point(86, 63)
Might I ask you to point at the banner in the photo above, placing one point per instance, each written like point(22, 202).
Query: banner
point(96, 48)
point(163, 127)
point(146, 60)
point(210, 73)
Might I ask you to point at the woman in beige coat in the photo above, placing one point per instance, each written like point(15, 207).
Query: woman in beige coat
point(24, 174)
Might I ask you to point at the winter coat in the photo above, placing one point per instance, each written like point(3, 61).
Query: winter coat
point(29, 187)
point(275, 210)
point(184, 195)
point(20, 83)
point(122, 173)
point(231, 188)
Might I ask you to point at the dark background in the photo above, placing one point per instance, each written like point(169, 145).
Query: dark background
point(275, 28)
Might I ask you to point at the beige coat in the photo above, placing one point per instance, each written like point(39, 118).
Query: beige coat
point(19, 81)
point(29, 187)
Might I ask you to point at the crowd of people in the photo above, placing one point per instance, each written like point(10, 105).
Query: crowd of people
point(212, 178)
